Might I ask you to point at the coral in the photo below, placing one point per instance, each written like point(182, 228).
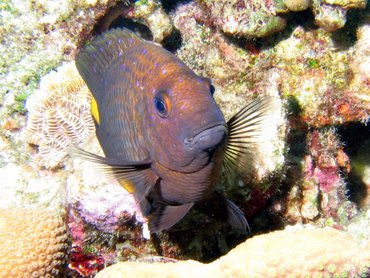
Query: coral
point(320, 79)
point(329, 17)
point(36, 37)
point(359, 227)
point(33, 243)
point(243, 18)
point(331, 14)
point(297, 5)
point(360, 64)
point(358, 4)
point(291, 252)
point(59, 115)
point(261, 18)
point(143, 15)
point(322, 191)
point(153, 14)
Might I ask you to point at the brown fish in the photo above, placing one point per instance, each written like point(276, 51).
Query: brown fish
point(164, 137)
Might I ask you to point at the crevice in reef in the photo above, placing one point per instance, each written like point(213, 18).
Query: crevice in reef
point(170, 5)
point(118, 17)
point(356, 138)
point(345, 37)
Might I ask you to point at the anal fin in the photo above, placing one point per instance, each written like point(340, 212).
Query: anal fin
point(164, 217)
point(235, 217)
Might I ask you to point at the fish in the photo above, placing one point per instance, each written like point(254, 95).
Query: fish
point(164, 138)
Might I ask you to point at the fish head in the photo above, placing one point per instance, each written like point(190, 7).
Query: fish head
point(187, 128)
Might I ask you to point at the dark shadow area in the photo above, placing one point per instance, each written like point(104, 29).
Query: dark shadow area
point(116, 17)
point(135, 26)
point(345, 37)
point(172, 42)
point(356, 138)
point(202, 234)
point(121, 9)
point(170, 5)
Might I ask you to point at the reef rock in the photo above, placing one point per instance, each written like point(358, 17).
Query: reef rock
point(244, 18)
point(297, 5)
point(291, 252)
point(347, 3)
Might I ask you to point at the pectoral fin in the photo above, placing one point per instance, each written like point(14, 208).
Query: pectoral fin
point(250, 131)
point(164, 217)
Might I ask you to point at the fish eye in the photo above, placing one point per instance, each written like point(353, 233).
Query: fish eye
point(212, 89)
point(162, 104)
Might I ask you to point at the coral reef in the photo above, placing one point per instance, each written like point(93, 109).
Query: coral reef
point(33, 243)
point(322, 78)
point(35, 38)
point(154, 16)
point(243, 18)
point(253, 19)
point(319, 80)
point(58, 115)
point(297, 5)
point(360, 64)
point(292, 252)
point(330, 15)
point(347, 3)
point(321, 194)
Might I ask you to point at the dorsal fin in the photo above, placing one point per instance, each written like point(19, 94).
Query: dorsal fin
point(94, 60)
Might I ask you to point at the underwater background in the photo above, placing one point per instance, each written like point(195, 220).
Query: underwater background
point(307, 201)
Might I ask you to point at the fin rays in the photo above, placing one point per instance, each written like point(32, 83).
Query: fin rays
point(135, 177)
point(249, 130)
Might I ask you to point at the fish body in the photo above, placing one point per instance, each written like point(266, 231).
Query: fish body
point(163, 135)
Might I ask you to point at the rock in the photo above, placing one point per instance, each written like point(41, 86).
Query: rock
point(243, 18)
point(357, 4)
point(297, 5)
point(329, 17)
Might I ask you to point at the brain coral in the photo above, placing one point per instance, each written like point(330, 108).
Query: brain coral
point(320, 252)
point(59, 115)
point(33, 243)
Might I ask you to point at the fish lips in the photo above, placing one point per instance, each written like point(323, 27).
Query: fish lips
point(208, 139)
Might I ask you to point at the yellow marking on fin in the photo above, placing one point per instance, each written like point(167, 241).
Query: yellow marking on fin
point(128, 185)
point(94, 110)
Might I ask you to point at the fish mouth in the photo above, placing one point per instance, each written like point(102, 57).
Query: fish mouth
point(208, 138)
